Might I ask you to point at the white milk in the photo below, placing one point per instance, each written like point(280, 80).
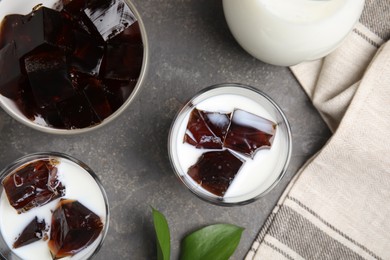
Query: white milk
point(257, 174)
point(79, 185)
point(302, 11)
point(286, 32)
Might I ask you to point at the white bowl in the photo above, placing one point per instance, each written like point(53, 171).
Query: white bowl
point(25, 7)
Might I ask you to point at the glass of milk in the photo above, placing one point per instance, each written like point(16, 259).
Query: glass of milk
point(287, 32)
point(257, 176)
point(81, 184)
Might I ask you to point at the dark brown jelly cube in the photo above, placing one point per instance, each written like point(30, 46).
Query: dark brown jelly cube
point(110, 17)
point(27, 106)
point(215, 171)
point(42, 26)
point(49, 77)
point(94, 91)
point(7, 28)
point(78, 79)
point(127, 49)
point(83, 22)
point(123, 61)
point(73, 228)
point(33, 185)
point(96, 5)
point(34, 231)
point(217, 122)
point(74, 7)
point(117, 92)
point(52, 117)
point(206, 129)
point(76, 112)
point(248, 133)
point(88, 53)
point(131, 35)
point(79, 22)
point(26, 102)
point(10, 72)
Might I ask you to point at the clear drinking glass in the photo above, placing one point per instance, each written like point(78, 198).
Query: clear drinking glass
point(87, 181)
point(226, 98)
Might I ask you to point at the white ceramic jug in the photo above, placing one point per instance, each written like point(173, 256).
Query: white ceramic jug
point(287, 32)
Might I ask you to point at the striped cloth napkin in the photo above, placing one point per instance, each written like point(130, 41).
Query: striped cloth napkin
point(338, 205)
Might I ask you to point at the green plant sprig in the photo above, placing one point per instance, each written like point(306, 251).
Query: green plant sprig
point(214, 242)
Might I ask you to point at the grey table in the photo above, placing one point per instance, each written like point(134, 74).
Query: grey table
point(191, 48)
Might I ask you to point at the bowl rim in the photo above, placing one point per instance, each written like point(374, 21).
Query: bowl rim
point(47, 154)
point(58, 131)
point(188, 106)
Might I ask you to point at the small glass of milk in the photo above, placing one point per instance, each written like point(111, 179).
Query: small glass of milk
point(287, 32)
point(259, 174)
point(81, 184)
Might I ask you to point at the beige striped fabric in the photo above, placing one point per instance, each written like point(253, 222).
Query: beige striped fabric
point(338, 205)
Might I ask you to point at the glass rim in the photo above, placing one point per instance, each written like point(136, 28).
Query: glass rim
point(188, 106)
point(40, 155)
point(59, 131)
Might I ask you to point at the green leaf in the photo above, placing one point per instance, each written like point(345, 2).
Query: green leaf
point(215, 242)
point(162, 234)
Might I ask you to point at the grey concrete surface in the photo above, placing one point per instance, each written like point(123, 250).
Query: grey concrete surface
point(191, 48)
